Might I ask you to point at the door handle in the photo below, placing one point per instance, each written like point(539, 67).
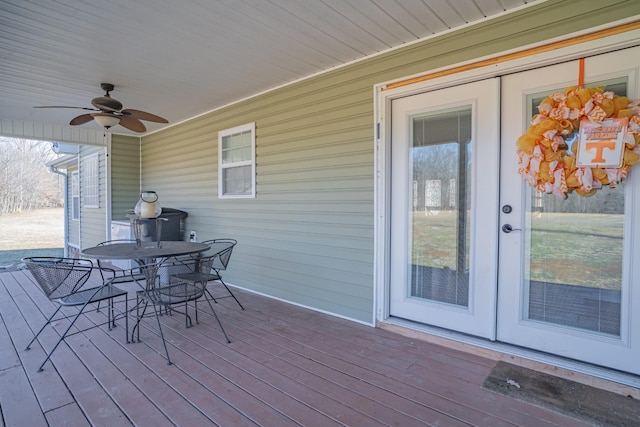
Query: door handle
point(507, 228)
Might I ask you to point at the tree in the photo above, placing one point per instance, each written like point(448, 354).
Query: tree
point(25, 181)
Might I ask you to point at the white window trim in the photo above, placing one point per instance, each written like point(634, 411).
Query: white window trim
point(88, 202)
point(75, 195)
point(252, 162)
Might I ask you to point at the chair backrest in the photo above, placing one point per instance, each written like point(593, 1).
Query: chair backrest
point(153, 277)
point(162, 272)
point(221, 249)
point(202, 265)
point(192, 266)
point(59, 277)
point(130, 264)
point(149, 272)
point(176, 280)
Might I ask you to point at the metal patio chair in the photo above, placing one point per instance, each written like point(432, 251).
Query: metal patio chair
point(170, 286)
point(63, 281)
point(221, 249)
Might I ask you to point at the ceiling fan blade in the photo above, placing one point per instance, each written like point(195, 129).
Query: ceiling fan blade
point(110, 112)
point(81, 119)
point(132, 124)
point(65, 106)
point(143, 115)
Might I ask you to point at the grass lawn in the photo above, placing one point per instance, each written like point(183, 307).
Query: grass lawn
point(35, 233)
point(575, 249)
point(580, 249)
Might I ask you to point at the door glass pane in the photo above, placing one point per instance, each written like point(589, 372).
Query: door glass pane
point(439, 235)
point(573, 273)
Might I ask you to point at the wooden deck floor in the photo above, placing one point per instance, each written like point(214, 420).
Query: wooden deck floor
point(285, 366)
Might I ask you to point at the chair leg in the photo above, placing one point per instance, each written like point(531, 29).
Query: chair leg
point(113, 311)
point(231, 293)
point(111, 321)
point(63, 336)
point(187, 319)
point(138, 318)
point(126, 317)
point(43, 326)
point(157, 312)
point(166, 351)
point(214, 313)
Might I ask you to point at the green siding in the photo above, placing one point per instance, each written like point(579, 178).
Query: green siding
point(93, 220)
point(125, 173)
point(308, 236)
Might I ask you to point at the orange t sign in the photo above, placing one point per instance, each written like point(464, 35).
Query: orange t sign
point(600, 146)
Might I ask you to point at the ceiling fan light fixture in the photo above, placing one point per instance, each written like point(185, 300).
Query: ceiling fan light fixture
point(106, 120)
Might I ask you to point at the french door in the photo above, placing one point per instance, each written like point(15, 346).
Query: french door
point(476, 250)
point(568, 276)
point(444, 158)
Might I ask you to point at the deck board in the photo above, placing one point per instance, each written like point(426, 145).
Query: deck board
point(68, 415)
point(440, 390)
point(285, 366)
point(19, 405)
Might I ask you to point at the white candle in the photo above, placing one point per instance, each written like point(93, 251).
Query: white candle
point(147, 210)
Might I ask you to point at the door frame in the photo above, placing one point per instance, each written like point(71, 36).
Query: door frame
point(478, 69)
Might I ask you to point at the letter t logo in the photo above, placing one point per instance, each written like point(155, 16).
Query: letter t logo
point(600, 146)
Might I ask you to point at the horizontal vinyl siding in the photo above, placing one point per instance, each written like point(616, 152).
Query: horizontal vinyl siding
point(93, 220)
point(308, 236)
point(125, 172)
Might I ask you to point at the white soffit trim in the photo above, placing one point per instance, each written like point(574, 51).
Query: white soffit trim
point(49, 132)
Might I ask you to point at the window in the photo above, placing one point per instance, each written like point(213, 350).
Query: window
point(236, 162)
point(75, 196)
point(91, 182)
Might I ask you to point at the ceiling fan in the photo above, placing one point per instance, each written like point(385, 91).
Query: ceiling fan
point(109, 112)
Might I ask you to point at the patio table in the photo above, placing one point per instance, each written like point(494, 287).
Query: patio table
point(145, 251)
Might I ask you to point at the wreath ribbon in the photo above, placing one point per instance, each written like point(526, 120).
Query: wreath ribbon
point(548, 163)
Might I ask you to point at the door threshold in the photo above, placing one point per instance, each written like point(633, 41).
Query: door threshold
point(580, 372)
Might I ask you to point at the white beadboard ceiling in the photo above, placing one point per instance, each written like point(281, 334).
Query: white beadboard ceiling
point(179, 59)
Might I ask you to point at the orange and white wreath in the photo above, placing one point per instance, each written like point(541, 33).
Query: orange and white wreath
point(546, 155)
